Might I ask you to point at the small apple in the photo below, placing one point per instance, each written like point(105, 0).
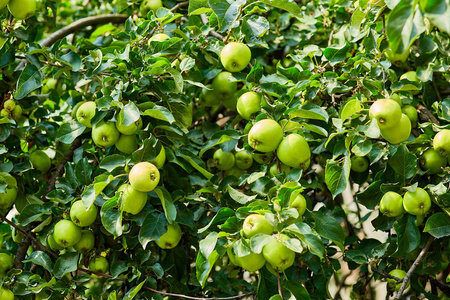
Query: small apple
point(9, 105)
point(127, 143)
point(294, 151)
point(391, 205)
point(411, 76)
point(223, 88)
point(5, 113)
point(223, 160)
point(17, 112)
point(81, 216)
point(235, 171)
point(398, 134)
point(387, 112)
point(265, 136)
point(248, 104)
point(49, 85)
point(128, 129)
point(298, 201)
point(254, 224)
point(99, 264)
point(53, 244)
point(75, 108)
point(273, 170)
point(6, 294)
point(208, 98)
point(396, 98)
point(441, 142)
point(86, 242)
point(144, 176)
point(393, 283)
point(171, 238)
point(66, 233)
point(433, 161)
point(243, 160)
point(6, 263)
point(22, 9)
point(86, 112)
point(359, 163)
point(262, 158)
point(235, 57)
point(105, 134)
point(251, 262)
point(277, 254)
point(417, 203)
point(148, 5)
point(132, 200)
point(40, 161)
point(9, 196)
point(160, 158)
point(411, 112)
point(3, 4)
point(232, 256)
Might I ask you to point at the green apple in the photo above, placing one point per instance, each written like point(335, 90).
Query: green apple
point(22, 9)
point(441, 142)
point(159, 37)
point(5, 113)
point(171, 238)
point(397, 99)
point(248, 104)
point(256, 223)
point(411, 76)
point(251, 262)
point(235, 57)
point(412, 114)
point(160, 158)
point(387, 112)
point(66, 233)
point(127, 143)
point(230, 102)
point(433, 161)
point(130, 128)
point(132, 200)
point(223, 160)
point(223, 88)
point(265, 136)
point(277, 254)
point(294, 151)
point(235, 171)
point(40, 161)
point(75, 108)
point(86, 242)
point(49, 85)
point(81, 216)
point(232, 256)
point(105, 134)
point(391, 205)
point(17, 112)
point(148, 5)
point(9, 105)
point(9, 196)
point(208, 98)
point(52, 244)
point(359, 163)
point(144, 176)
point(398, 134)
point(393, 283)
point(394, 57)
point(273, 170)
point(298, 201)
point(417, 203)
point(6, 263)
point(243, 160)
point(99, 264)
point(6, 294)
point(262, 158)
point(86, 112)
point(3, 4)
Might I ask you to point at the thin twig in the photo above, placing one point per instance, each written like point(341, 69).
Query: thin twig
point(413, 267)
point(279, 284)
point(438, 94)
point(211, 32)
point(444, 288)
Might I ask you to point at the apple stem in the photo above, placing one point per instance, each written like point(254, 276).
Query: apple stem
point(279, 284)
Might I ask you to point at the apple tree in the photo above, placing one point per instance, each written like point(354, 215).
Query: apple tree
point(269, 149)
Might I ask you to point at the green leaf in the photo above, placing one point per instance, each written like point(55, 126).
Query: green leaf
point(111, 217)
point(68, 132)
point(66, 263)
point(350, 108)
point(438, 12)
point(408, 235)
point(92, 191)
point(310, 111)
point(254, 28)
point(32, 212)
point(371, 196)
point(160, 113)
point(208, 244)
point(203, 171)
point(291, 7)
point(133, 291)
point(204, 266)
point(226, 13)
point(336, 175)
point(129, 114)
point(154, 226)
point(438, 225)
point(110, 162)
point(309, 237)
point(239, 197)
point(329, 228)
point(297, 290)
point(42, 259)
point(222, 215)
point(404, 163)
point(7, 55)
point(337, 54)
point(197, 4)
point(29, 80)
point(166, 200)
point(179, 83)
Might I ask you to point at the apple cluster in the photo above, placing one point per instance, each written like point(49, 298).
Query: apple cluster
point(11, 109)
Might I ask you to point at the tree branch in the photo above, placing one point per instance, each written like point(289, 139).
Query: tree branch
point(211, 32)
point(444, 288)
point(425, 115)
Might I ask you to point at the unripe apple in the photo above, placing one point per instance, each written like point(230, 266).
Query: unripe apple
point(105, 134)
point(132, 200)
point(17, 112)
point(130, 128)
point(251, 262)
point(6, 263)
point(298, 201)
point(40, 161)
point(277, 254)
point(387, 112)
point(294, 151)
point(9, 196)
point(208, 98)
point(223, 160)
point(417, 203)
point(53, 244)
point(99, 264)
point(82, 216)
point(66, 233)
point(248, 104)
point(441, 142)
point(262, 158)
point(359, 163)
point(3, 4)
point(411, 112)
point(256, 223)
point(391, 205)
point(6, 294)
point(235, 57)
point(86, 112)
point(393, 57)
point(273, 171)
point(160, 158)
point(86, 242)
point(148, 5)
point(393, 283)
point(171, 238)
point(144, 176)
point(243, 160)
point(433, 161)
point(22, 9)
point(398, 134)
point(9, 105)
point(223, 88)
point(235, 171)
point(265, 136)
point(127, 143)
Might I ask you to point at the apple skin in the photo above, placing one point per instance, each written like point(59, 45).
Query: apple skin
point(232, 256)
point(294, 151)
point(235, 57)
point(277, 254)
point(433, 161)
point(86, 242)
point(66, 233)
point(208, 98)
point(22, 9)
point(393, 283)
point(387, 112)
point(417, 203)
point(223, 88)
point(265, 136)
point(3, 4)
point(391, 205)
point(222, 160)
point(6, 294)
point(396, 98)
point(53, 244)
point(160, 158)
point(6, 263)
point(262, 158)
point(105, 134)
point(251, 262)
point(128, 129)
point(127, 143)
point(171, 238)
point(243, 160)
point(359, 163)
point(441, 142)
point(273, 170)
point(395, 57)
point(40, 161)
point(148, 5)
point(82, 217)
point(7, 199)
point(254, 224)
point(144, 176)
point(9, 105)
point(398, 134)
point(235, 171)
point(132, 200)
point(411, 112)
point(248, 104)
point(289, 126)
point(298, 201)
point(99, 264)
